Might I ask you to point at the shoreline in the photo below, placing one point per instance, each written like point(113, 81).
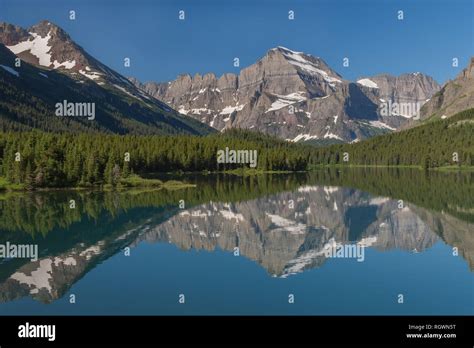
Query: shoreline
point(138, 182)
point(419, 167)
point(126, 185)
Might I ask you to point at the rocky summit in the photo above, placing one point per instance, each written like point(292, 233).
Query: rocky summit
point(49, 46)
point(298, 97)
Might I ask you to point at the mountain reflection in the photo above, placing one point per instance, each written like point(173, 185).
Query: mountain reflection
point(287, 233)
point(285, 229)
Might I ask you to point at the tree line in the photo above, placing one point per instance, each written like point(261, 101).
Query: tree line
point(435, 144)
point(39, 159)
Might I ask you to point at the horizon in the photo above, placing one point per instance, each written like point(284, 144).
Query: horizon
point(184, 54)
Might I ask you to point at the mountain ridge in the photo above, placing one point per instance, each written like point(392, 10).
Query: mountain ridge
point(295, 96)
point(456, 95)
point(53, 68)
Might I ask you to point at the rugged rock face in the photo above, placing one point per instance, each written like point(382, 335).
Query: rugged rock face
point(294, 96)
point(11, 34)
point(414, 88)
point(455, 96)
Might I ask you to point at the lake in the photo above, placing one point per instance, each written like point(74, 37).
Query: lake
point(328, 242)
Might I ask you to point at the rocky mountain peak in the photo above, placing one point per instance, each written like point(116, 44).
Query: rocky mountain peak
point(309, 67)
point(305, 62)
point(291, 55)
point(295, 96)
point(46, 44)
point(45, 27)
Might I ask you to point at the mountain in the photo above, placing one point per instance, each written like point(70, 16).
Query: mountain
point(55, 69)
point(403, 89)
point(294, 96)
point(455, 96)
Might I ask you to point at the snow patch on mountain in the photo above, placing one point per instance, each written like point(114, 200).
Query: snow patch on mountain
point(297, 265)
point(379, 124)
point(285, 100)
point(126, 92)
point(39, 278)
point(330, 135)
point(69, 64)
point(304, 137)
point(230, 109)
point(379, 200)
point(367, 83)
point(287, 225)
point(229, 215)
point(298, 59)
point(38, 47)
point(93, 75)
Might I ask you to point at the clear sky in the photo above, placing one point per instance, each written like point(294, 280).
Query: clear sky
point(215, 31)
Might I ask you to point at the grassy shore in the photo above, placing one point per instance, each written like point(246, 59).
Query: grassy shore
point(131, 182)
point(137, 181)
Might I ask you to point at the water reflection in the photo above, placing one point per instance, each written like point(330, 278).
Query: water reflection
point(287, 233)
point(286, 226)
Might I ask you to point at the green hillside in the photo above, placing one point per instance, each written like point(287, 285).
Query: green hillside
point(431, 145)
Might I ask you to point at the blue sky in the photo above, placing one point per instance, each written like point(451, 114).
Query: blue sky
point(214, 32)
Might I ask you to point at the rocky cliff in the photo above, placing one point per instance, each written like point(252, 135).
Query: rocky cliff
point(295, 96)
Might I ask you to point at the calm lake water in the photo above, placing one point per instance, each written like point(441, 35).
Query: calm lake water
point(323, 243)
